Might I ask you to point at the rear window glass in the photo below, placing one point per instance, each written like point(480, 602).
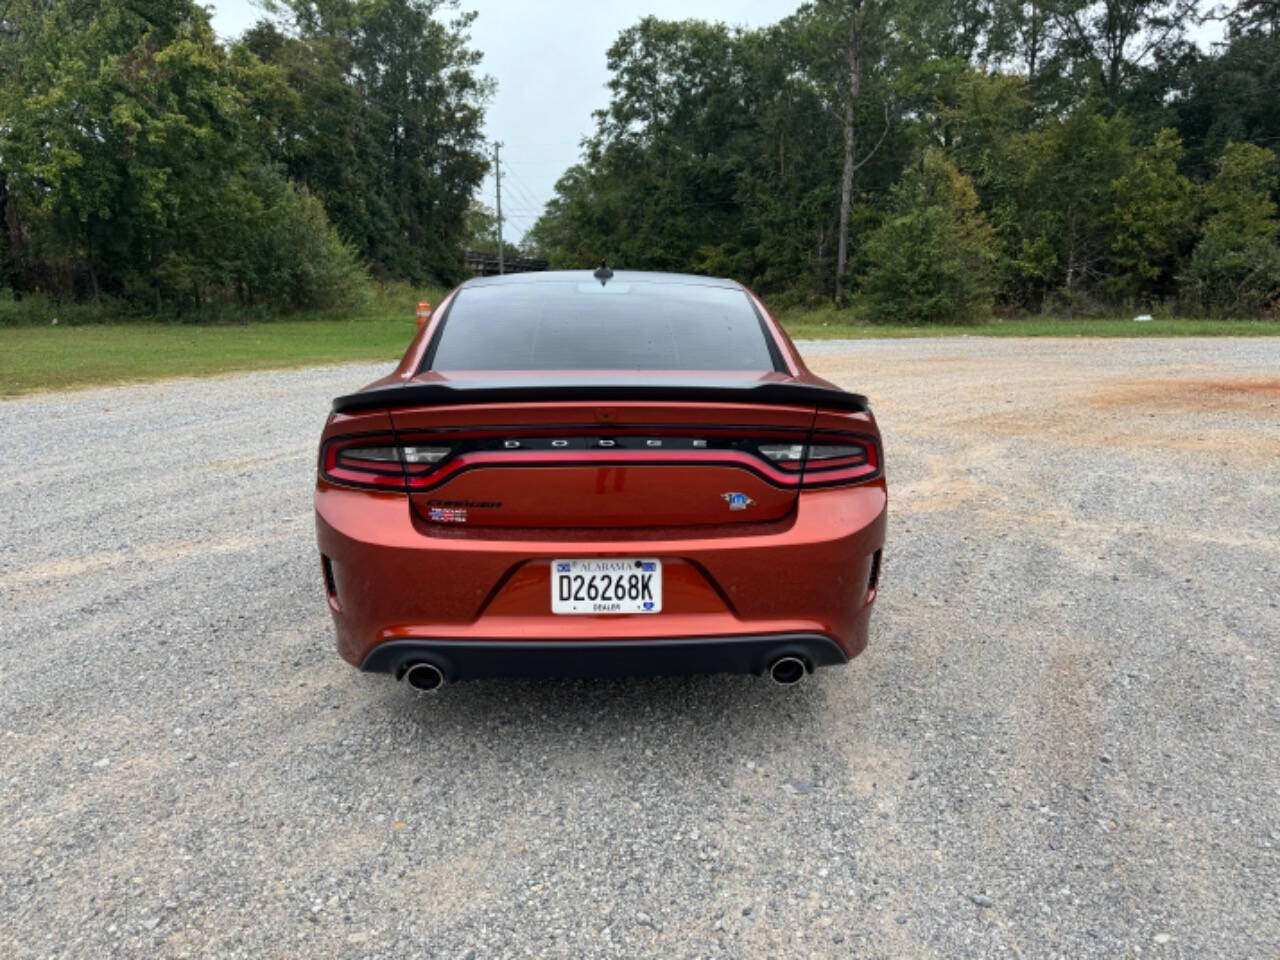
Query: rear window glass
point(545, 325)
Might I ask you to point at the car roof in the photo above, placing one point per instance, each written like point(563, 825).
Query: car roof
point(619, 276)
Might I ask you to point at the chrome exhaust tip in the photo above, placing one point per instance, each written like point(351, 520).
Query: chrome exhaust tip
point(788, 670)
point(424, 676)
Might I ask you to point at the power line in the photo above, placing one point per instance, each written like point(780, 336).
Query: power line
point(553, 144)
point(526, 206)
point(497, 174)
point(528, 210)
point(526, 195)
point(519, 191)
point(517, 195)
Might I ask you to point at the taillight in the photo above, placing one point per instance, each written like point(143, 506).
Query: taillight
point(414, 455)
point(379, 463)
point(423, 461)
point(789, 456)
point(369, 455)
point(827, 461)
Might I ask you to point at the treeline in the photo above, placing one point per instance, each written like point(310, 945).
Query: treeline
point(143, 160)
point(934, 160)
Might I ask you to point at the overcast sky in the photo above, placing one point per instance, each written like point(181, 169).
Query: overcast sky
point(548, 59)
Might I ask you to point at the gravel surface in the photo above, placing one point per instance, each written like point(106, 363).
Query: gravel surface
point(1062, 740)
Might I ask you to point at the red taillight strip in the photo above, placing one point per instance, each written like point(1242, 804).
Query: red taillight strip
point(836, 477)
point(518, 432)
point(841, 470)
point(373, 475)
point(593, 458)
point(419, 478)
point(359, 478)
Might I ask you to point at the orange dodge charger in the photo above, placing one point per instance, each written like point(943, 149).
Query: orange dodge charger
point(577, 473)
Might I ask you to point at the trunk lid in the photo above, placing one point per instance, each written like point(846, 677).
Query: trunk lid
point(633, 463)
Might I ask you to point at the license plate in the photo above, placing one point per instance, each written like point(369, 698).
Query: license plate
point(622, 585)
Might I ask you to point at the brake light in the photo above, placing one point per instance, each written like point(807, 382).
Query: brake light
point(789, 456)
point(424, 454)
point(831, 460)
point(378, 462)
point(835, 451)
point(422, 461)
point(370, 455)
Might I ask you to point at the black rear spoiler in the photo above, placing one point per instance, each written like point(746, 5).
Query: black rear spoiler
point(543, 391)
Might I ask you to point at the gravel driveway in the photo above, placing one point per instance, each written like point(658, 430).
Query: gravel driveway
point(1063, 740)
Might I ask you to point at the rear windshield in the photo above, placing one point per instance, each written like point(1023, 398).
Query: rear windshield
point(637, 325)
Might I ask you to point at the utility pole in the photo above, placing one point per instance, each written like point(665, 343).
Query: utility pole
point(497, 175)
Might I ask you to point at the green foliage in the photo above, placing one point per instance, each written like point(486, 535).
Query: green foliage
point(480, 232)
point(1236, 265)
point(295, 257)
point(933, 258)
point(715, 155)
point(1079, 156)
point(121, 128)
point(973, 116)
point(1231, 94)
point(1065, 227)
point(384, 124)
point(1086, 130)
point(1154, 215)
point(661, 183)
point(143, 160)
point(480, 227)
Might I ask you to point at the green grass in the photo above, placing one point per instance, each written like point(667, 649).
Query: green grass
point(49, 357)
point(58, 357)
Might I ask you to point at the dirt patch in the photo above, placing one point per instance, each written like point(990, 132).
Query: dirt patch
point(1259, 395)
point(949, 484)
point(73, 567)
point(1236, 445)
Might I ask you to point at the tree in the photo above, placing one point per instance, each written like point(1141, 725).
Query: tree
point(1058, 223)
point(1110, 42)
point(1257, 17)
point(481, 227)
point(131, 161)
point(1030, 32)
point(855, 26)
point(660, 179)
point(1154, 211)
point(933, 259)
point(843, 38)
point(972, 116)
point(1230, 95)
point(388, 131)
point(772, 155)
point(1236, 265)
point(481, 234)
point(788, 188)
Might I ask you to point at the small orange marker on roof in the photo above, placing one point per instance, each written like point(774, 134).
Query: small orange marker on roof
point(424, 313)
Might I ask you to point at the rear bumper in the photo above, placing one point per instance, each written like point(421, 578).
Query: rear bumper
point(394, 581)
point(474, 660)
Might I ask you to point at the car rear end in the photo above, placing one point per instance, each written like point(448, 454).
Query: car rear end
point(512, 502)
